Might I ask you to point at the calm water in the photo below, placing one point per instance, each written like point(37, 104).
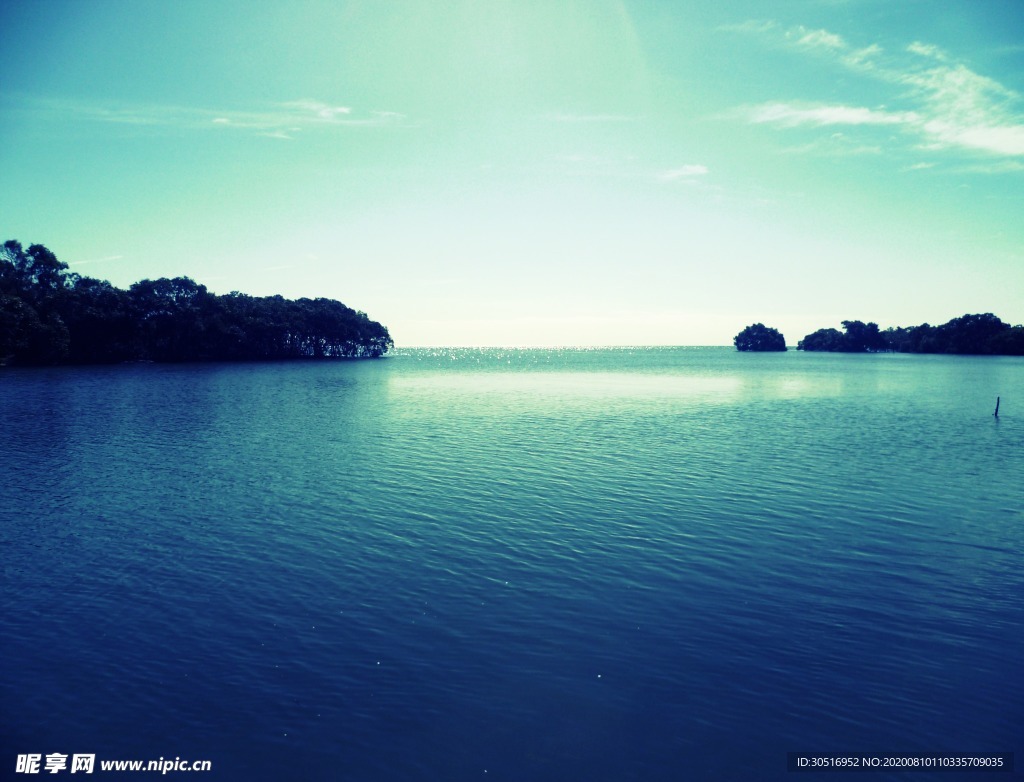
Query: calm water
point(649, 564)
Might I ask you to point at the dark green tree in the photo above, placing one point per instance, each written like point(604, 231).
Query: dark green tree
point(26, 337)
point(761, 338)
point(829, 340)
point(983, 334)
point(49, 315)
point(971, 334)
point(101, 322)
point(18, 323)
point(1009, 342)
point(862, 337)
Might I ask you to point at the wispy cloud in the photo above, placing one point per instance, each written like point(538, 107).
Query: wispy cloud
point(276, 120)
point(927, 50)
point(815, 39)
point(1007, 141)
point(321, 110)
point(997, 167)
point(946, 105)
point(106, 259)
point(792, 115)
point(751, 26)
point(687, 172)
point(287, 135)
point(836, 144)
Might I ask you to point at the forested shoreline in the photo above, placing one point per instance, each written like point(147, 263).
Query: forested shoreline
point(984, 335)
point(50, 315)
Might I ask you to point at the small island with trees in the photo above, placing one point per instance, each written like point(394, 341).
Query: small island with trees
point(985, 335)
point(49, 315)
point(759, 338)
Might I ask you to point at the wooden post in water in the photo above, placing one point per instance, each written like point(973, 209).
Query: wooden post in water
point(996, 413)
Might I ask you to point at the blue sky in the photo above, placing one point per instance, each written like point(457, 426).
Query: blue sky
point(518, 172)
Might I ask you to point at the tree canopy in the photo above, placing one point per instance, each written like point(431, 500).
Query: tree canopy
point(969, 334)
point(860, 337)
point(758, 337)
point(49, 315)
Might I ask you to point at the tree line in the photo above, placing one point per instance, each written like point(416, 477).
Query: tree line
point(983, 334)
point(49, 315)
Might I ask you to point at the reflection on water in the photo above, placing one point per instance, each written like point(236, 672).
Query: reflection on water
point(602, 564)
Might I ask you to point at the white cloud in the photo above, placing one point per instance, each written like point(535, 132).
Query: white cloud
point(862, 59)
point(939, 132)
point(801, 36)
point(275, 120)
point(322, 110)
point(998, 167)
point(1005, 140)
point(751, 26)
point(836, 145)
point(949, 106)
point(958, 91)
point(927, 50)
point(791, 116)
point(106, 259)
point(967, 110)
point(688, 171)
point(819, 41)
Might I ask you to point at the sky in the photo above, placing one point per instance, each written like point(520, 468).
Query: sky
point(531, 172)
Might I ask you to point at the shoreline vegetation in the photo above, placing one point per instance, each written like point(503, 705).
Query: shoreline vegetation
point(49, 315)
point(977, 335)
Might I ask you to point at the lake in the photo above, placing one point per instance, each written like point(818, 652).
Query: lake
point(608, 564)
